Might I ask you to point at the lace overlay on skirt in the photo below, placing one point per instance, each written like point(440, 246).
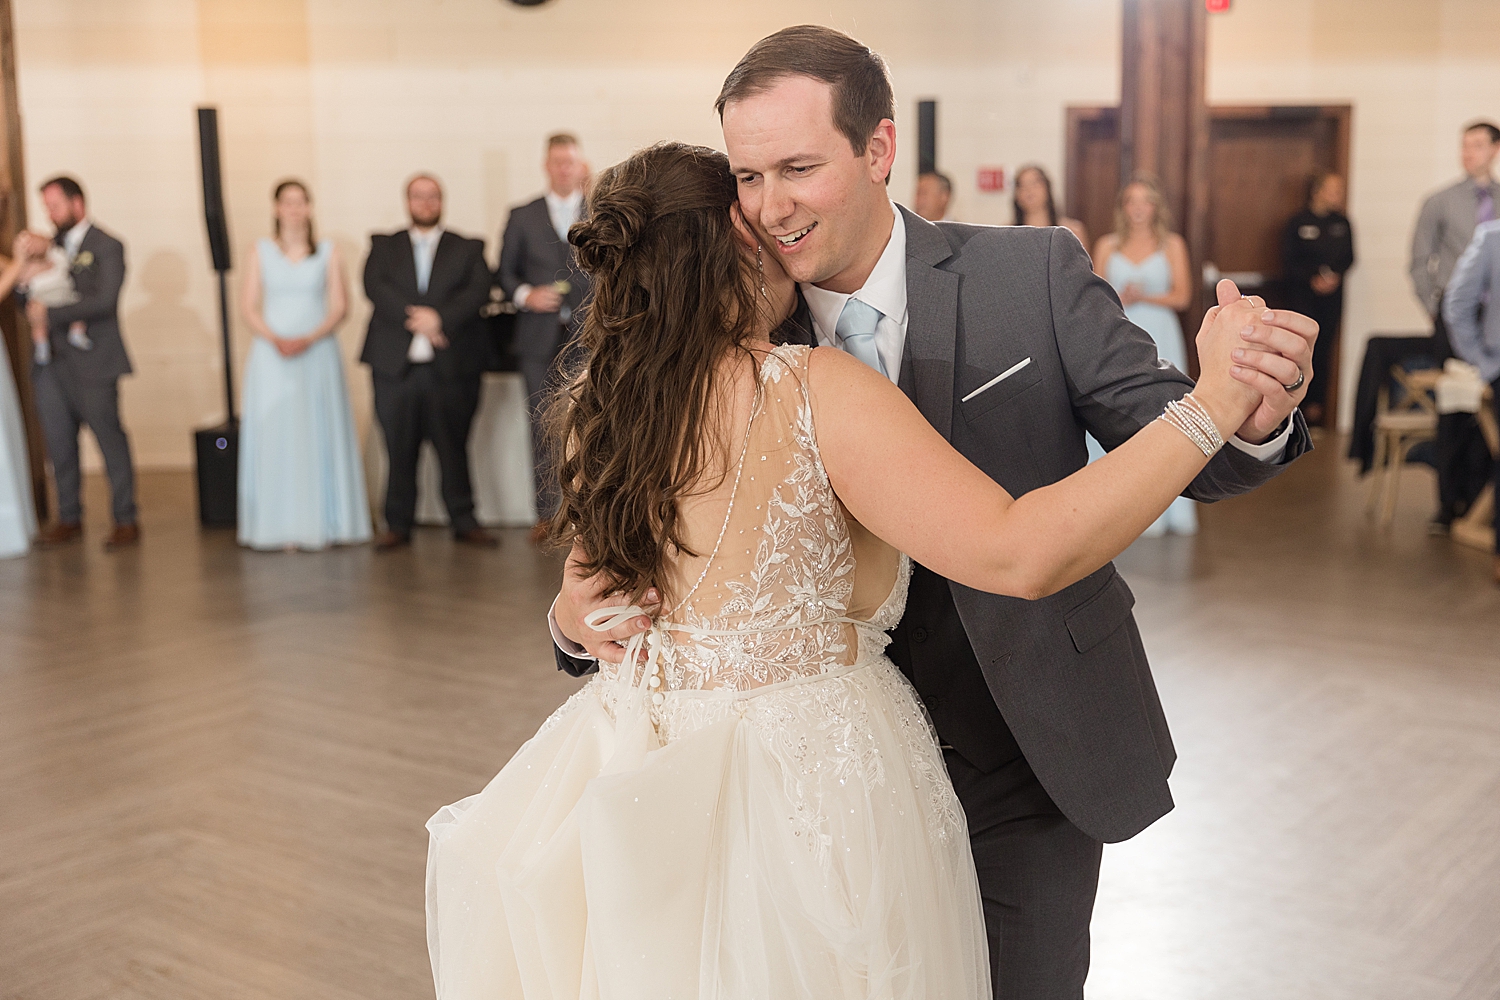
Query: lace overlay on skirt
point(770, 818)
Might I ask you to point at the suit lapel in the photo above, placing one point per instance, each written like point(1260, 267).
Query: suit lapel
point(406, 262)
point(927, 363)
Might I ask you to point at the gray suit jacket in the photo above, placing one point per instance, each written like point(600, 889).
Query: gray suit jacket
point(1068, 672)
point(1444, 229)
point(1471, 307)
point(532, 254)
point(98, 276)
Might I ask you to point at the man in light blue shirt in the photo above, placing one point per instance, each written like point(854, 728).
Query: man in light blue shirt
point(1473, 319)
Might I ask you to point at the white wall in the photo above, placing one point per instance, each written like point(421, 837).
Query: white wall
point(354, 95)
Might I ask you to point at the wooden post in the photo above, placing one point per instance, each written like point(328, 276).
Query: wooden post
point(1164, 121)
point(17, 335)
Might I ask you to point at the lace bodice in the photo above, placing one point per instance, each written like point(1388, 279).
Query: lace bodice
point(788, 584)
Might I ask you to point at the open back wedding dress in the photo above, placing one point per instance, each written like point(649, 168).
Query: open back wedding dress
point(759, 811)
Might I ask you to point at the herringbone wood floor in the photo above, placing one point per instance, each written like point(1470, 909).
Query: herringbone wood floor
point(215, 764)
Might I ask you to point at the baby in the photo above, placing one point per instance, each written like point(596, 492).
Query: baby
point(47, 278)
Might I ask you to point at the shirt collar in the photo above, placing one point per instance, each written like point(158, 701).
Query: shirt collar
point(73, 238)
point(431, 236)
point(572, 202)
point(885, 288)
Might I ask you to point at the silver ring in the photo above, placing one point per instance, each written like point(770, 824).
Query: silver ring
point(1301, 379)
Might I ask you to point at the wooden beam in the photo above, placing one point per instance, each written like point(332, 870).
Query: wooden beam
point(17, 335)
point(1164, 120)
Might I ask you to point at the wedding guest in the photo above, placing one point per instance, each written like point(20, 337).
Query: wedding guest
point(301, 483)
point(1147, 264)
point(1445, 227)
point(1034, 205)
point(17, 505)
point(1317, 248)
point(539, 273)
point(1473, 317)
point(425, 348)
point(78, 382)
point(934, 192)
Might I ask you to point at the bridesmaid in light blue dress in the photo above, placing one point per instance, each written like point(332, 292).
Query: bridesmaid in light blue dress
point(1147, 264)
point(17, 509)
point(301, 483)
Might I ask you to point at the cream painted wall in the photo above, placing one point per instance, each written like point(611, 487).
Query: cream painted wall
point(1415, 72)
point(354, 95)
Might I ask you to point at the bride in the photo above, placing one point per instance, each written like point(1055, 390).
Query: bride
point(753, 805)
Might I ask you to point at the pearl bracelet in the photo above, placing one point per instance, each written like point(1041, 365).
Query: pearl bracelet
point(1191, 418)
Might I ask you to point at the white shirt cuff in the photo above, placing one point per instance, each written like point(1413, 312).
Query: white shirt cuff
point(420, 352)
point(565, 644)
point(520, 297)
point(1273, 450)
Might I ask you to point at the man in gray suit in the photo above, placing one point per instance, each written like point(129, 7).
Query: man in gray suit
point(1471, 308)
point(1012, 347)
point(77, 376)
point(538, 274)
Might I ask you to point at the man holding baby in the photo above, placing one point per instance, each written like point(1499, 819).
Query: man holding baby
point(72, 300)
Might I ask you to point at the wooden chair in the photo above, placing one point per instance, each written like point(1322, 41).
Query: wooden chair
point(1477, 527)
point(1398, 428)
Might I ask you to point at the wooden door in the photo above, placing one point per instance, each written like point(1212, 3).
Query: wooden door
point(1093, 164)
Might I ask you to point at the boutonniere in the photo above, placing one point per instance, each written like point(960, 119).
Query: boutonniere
point(83, 260)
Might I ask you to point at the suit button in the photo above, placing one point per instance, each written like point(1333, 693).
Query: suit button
point(919, 635)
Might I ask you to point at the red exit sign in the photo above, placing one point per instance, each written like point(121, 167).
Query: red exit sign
point(991, 179)
point(1217, 6)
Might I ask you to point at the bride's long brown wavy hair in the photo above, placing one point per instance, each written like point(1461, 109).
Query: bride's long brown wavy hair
point(672, 295)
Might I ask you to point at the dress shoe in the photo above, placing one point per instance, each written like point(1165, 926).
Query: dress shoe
point(477, 537)
point(124, 536)
point(59, 534)
point(387, 541)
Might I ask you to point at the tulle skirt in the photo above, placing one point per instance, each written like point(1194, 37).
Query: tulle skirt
point(17, 510)
point(799, 840)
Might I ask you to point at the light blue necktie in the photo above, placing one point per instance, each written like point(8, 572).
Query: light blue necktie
point(424, 250)
point(856, 332)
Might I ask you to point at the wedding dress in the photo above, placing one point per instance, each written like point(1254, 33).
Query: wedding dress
point(759, 812)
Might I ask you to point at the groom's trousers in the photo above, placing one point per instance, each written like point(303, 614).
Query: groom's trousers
point(66, 402)
point(1038, 873)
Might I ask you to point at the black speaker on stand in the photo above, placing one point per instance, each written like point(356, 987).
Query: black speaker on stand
point(217, 448)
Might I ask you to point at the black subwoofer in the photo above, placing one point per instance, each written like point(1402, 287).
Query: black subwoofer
point(218, 450)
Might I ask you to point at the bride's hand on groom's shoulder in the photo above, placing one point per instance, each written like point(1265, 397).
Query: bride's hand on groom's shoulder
point(1265, 351)
point(580, 596)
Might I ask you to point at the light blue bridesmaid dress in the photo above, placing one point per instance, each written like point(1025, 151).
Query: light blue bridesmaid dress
point(301, 481)
point(1153, 276)
point(17, 511)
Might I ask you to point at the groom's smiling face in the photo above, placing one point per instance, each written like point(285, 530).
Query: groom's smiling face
point(818, 203)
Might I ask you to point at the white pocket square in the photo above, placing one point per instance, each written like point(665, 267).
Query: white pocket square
point(997, 379)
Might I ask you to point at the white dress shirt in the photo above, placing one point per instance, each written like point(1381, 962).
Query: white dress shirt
point(562, 212)
point(73, 238)
point(423, 249)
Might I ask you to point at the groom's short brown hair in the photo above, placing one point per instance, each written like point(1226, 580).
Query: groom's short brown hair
point(861, 83)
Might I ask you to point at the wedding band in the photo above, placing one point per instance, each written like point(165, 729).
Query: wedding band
point(1301, 378)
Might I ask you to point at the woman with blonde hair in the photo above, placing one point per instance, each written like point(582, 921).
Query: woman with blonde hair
point(1147, 264)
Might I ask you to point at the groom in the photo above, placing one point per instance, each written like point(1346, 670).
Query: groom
point(1012, 348)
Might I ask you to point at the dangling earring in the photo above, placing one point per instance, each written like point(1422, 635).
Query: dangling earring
point(760, 265)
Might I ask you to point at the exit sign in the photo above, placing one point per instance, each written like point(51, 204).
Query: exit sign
point(1217, 6)
point(991, 179)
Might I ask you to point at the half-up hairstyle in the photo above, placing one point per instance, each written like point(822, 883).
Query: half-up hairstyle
point(672, 296)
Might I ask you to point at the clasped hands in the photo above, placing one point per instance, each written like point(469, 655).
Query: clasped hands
point(424, 321)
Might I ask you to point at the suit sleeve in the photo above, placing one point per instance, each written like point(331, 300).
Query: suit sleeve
point(574, 667)
point(380, 285)
point(1423, 249)
point(471, 296)
point(1119, 385)
point(105, 300)
point(1465, 295)
point(512, 256)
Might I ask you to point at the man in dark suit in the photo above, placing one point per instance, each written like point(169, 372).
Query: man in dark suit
point(425, 349)
point(539, 275)
point(77, 372)
point(1012, 348)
